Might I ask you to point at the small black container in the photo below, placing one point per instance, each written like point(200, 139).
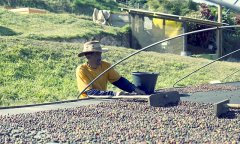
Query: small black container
point(146, 81)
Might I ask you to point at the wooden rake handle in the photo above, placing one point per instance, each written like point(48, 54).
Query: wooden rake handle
point(234, 106)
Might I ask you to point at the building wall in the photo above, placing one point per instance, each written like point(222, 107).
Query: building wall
point(148, 30)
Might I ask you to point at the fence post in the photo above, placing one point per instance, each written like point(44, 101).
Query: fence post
point(219, 33)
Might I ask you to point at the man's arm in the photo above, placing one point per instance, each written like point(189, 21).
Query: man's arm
point(127, 86)
point(124, 85)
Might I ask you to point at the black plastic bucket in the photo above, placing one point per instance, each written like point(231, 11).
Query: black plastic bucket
point(146, 81)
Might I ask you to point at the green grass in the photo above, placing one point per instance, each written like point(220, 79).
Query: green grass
point(206, 56)
point(52, 26)
point(34, 71)
point(36, 68)
point(69, 6)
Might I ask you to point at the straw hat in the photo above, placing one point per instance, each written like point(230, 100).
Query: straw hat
point(91, 46)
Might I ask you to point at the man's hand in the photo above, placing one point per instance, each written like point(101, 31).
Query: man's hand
point(120, 93)
point(139, 92)
point(136, 90)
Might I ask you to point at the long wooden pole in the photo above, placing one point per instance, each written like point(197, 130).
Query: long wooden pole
point(219, 33)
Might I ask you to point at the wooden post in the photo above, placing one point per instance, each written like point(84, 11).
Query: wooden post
point(137, 26)
point(139, 23)
point(140, 35)
point(142, 23)
point(137, 30)
point(132, 37)
point(164, 29)
point(184, 52)
point(219, 33)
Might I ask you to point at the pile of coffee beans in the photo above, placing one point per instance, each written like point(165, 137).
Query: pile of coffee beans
point(123, 121)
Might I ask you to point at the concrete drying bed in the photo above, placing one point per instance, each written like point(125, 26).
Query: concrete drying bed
point(205, 97)
point(32, 109)
point(215, 96)
point(126, 120)
point(216, 93)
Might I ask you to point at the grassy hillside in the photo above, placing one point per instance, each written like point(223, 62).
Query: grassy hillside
point(52, 26)
point(70, 6)
point(35, 71)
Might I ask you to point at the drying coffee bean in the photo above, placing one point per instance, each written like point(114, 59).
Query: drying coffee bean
point(123, 121)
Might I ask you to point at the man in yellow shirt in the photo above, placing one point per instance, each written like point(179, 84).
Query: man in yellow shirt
point(95, 66)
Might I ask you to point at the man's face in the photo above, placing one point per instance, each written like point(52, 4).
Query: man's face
point(94, 58)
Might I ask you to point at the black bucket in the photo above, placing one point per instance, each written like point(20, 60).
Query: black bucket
point(146, 81)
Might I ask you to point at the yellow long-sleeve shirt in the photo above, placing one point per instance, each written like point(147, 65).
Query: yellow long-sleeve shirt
point(86, 74)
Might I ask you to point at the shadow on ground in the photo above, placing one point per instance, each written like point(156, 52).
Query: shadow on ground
point(4, 31)
point(231, 114)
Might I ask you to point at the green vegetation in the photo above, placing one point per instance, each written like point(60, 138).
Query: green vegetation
point(71, 6)
point(6, 31)
point(177, 7)
point(35, 67)
point(35, 71)
point(53, 26)
point(191, 9)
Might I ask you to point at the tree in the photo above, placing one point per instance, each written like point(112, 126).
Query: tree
point(177, 7)
point(206, 12)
